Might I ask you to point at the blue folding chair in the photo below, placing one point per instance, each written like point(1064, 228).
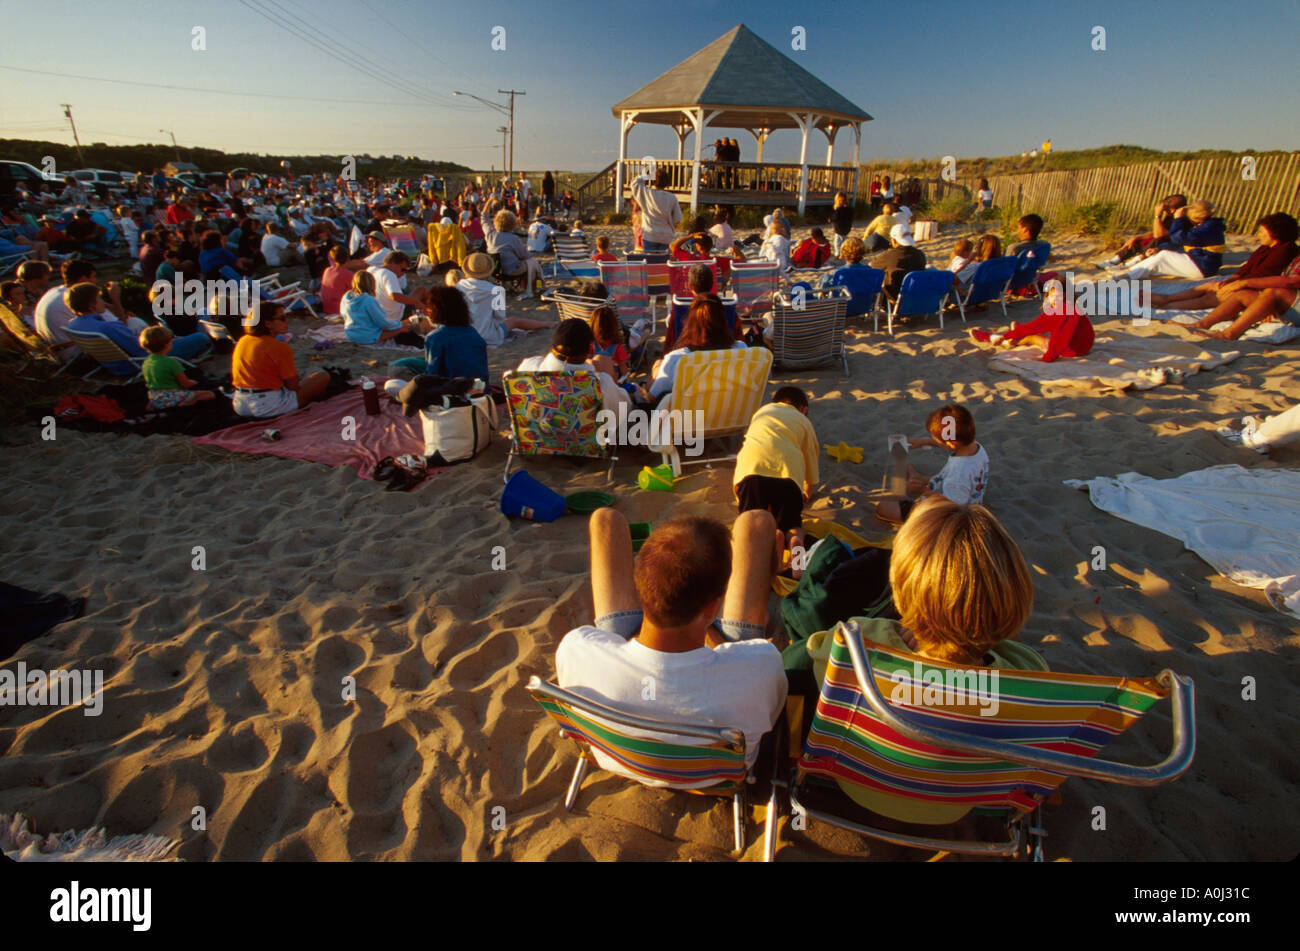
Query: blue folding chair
point(1029, 262)
point(681, 306)
point(863, 283)
point(989, 283)
point(922, 294)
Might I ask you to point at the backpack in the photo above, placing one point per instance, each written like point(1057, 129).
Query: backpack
point(82, 406)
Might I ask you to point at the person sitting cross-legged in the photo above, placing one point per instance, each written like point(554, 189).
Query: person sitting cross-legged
point(689, 613)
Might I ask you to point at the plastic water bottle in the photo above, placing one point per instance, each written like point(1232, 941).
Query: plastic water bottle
point(896, 469)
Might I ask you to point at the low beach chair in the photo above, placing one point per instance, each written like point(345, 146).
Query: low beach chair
point(726, 388)
point(103, 350)
point(1029, 263)
point(922, 294)
point(679, 271)
point(864, 285)
point(657, 280)
point(752, 282)
point(928, 756)
point(810, 335)
point(990, 282)
point(626, 283)
point(290, 295)
point(402, 237)
point(712, 760)
point(681, 306)
point(11, 261)
point(575, 305)
point(554, 413)
point(573, 257)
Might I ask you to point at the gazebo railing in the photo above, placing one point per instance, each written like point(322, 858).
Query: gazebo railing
point(781, 177)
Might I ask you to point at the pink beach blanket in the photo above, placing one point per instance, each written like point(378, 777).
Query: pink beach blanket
point(316, 433)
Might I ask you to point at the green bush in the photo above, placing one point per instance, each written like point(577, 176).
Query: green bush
point(1007, 219)
point(952, 208)
point(1093, 218)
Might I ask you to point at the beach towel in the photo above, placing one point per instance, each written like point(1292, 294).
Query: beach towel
point(91, 845)
point(1117, 362)
point(1244, 522)
point(316, 433)
point(337, 333)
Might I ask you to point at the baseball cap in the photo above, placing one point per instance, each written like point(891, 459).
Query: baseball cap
point(903, 235)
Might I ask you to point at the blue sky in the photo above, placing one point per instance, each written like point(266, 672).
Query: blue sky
point(961, 78)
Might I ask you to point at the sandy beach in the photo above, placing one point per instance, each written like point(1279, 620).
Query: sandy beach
point(224, 687)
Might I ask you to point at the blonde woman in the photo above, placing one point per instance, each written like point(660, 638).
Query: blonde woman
point(516, 260)
point(1196, 246)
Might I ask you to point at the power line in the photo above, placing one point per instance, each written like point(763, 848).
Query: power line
point(338, 53)
point(220, 92)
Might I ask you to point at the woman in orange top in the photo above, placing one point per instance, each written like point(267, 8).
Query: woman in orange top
point(263, 372)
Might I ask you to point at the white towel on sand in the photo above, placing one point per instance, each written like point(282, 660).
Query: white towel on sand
point(1244, 522)
point(1117, 362)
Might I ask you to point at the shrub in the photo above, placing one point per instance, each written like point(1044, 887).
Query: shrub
point(1093, 218)
point(952, 208)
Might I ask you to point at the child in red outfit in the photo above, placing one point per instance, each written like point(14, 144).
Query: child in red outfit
point(602, 250)
point(1059, 330)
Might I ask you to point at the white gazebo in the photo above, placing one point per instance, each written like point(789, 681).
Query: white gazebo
point(741, 82)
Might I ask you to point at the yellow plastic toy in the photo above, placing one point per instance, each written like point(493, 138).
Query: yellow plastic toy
point(844, 452)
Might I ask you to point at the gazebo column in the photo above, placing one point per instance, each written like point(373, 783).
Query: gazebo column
point(760, 136)
point(626, 121)
point(857, 149)
point(830, 132)
point(682, 129)
point(806, 124)
point(699, 120)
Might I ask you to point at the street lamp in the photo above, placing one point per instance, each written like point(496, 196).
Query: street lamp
point(174, 145)
point(504, 109)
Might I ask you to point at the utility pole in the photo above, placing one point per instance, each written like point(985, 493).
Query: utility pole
point(504, 132)
point(512, 93)
point(67, 111)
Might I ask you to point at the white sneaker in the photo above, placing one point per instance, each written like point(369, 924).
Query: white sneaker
point(526, 295)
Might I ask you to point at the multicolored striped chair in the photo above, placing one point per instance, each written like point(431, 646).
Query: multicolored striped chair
point(573, 256)
point(939, 749)
point(554, 413)
point(698, 759)
point(752, 282)
point(626, 283)
point(658, 282)
point(718, 391)
point(809, 333)
point(402, 237)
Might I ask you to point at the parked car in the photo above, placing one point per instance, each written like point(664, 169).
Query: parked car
point(101, 181)
point(20, 173)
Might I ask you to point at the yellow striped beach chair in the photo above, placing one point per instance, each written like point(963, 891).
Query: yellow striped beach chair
point(718, 392)
point(697, 759)
point(951, 742)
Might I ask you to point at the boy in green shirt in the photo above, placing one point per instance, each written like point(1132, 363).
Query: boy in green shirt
point(164, 376)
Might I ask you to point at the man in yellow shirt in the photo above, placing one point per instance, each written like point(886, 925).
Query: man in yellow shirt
point(876, 237)
point(777, 465)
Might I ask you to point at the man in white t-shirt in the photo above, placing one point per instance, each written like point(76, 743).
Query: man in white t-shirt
point(274, 247)
point(656, 650)
point(377, 249)
point(539, 233)
point(390, 278)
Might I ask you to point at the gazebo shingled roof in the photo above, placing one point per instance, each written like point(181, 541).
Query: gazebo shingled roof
point(750, 83)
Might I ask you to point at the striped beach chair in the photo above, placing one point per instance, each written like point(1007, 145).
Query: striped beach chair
point(811, 334)
point(402, 237)
point(658, 282)
point(929, 756)
point(699, 759)
point(573, 256)
point(719, 391)
point(752, 283)
point(574, 305)
point(626, 283)
point(554, 413)
point(679, 271)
